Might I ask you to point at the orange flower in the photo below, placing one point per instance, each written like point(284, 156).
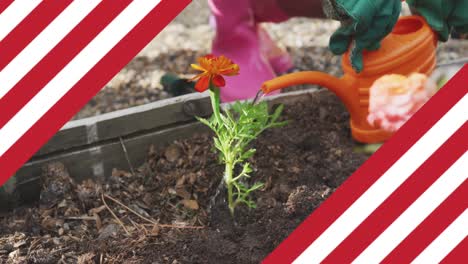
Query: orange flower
point(213, 68)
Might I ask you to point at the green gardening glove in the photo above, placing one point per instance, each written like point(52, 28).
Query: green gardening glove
point(364, 23)
point(444, 16)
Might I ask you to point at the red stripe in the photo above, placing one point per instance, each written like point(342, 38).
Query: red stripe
point(59, 57)
point(4, 4)
point(458, 254)
point(431, 227)
point(89, 85)
point(401, 199)
point(371, 170)
point(29, 28)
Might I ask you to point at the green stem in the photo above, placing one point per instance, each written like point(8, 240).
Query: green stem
point(215, 103)
point(228, 180)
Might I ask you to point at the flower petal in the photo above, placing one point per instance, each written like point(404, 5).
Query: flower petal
point(219, 81)
point(202, 84)
point(197, 67)
point(198, 76)
point(232, 70)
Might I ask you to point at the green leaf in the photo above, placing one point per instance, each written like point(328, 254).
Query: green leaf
point(256, 186)
point(248, 154)
point(368, 148)
point(219, 145)
point(246, 170)
point(279, 124)
point(204, 121)
point(277, 113)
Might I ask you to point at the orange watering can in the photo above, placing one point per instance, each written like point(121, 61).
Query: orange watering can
point(411, 47)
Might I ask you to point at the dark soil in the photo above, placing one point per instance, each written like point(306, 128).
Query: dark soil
point(175, 218)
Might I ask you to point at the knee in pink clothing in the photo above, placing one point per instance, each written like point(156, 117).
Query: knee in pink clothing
point(239, 37)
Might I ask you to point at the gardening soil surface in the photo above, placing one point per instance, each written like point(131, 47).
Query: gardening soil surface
point(172, 210)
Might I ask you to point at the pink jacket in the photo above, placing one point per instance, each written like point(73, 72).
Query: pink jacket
point(240, 37)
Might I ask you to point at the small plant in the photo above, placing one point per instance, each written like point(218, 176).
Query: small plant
point(234, 128)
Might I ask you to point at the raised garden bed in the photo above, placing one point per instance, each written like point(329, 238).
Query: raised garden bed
point(301, 165)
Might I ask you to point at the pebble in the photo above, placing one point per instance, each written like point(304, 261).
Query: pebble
point(110, 230)
point(172, 153)
point(191, 204)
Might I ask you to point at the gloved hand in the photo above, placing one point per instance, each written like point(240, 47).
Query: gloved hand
point(443, 15)
point(364, 23)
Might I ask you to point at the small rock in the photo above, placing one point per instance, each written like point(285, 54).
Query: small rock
point(7, 247)
point(56, 241)
point(139, 210)
point(284, 188)
point(323, 113)
point(192, 178)
point(62, 204)
point(268, 202)
point(191, 204)
point(183, 193)
point(49, 223)
point(14, 255)
point(172, 153)
point(19, 244)
point(86, 258)
point(155, 230)
point(148, 199)
point(296, 169)
point(110, 230)
point(310, 142)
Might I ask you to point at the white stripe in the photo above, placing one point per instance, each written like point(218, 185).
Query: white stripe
point(386, 185)
point(14, 14)
point(44, 43)
point(416, 213)
point(74, 71)
point(445, 242)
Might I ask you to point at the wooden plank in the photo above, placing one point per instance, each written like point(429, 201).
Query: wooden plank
point(65, 139)
point(125, 122)
point(135, 120)
point(99, 161)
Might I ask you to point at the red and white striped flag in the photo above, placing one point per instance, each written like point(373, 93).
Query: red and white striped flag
point(56, 55)
point(407, 203)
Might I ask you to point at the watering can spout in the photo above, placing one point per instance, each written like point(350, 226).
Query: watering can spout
point(305, 77)
point(339, 86)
